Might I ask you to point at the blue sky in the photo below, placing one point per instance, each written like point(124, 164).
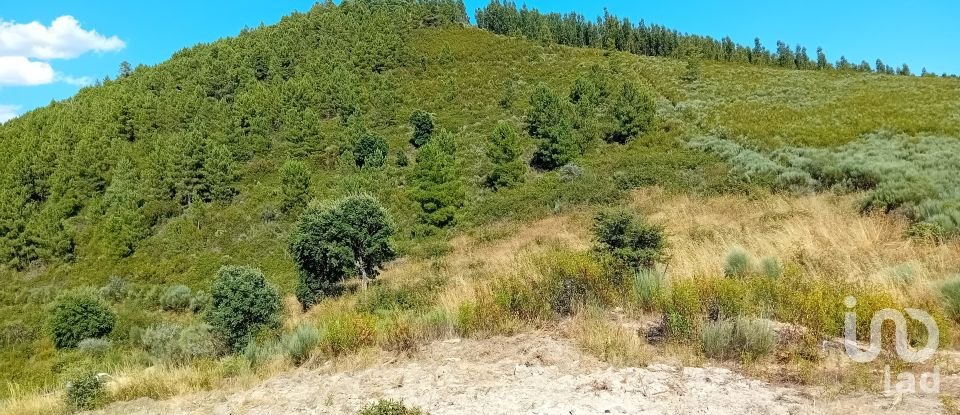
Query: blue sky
point(44, 61)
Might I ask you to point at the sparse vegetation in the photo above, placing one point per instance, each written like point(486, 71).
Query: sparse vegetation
point(388, 407)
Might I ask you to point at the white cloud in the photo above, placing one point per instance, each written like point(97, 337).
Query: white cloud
point(80, 81)
point(8, 112)
point(63, 39)
point(20, 71)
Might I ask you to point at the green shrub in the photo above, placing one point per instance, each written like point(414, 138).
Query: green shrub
point(548, 122)
point(647, 288)
point(349, 237)
point(259, 353)
point(634, 111)
point(737, 263)
point(242, 303)
point(115, 290)
point(389, 407)
point(75, 319)
point(682, 309)
point(570, 172)
point(746, 338)
point(176, 298)
point(951, 297)
point(84, 391)
point(771, 267)
point(94, 347)
point(422, 123)
point(628, 238)
point(370, 151)
point(346, 333)
point(570, 280)
point(172, 344)
point(518, 297)
point(300, 342)
point(294, 185)
point(504, 152)
point(199, 302)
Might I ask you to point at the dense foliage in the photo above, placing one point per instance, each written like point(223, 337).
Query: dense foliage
point(242, 303)
point(349, 237)
point(76, 318)
point(629, 239)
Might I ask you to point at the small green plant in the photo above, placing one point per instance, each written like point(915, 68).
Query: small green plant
point(738, 263)
point(771, 267)
point(629, 239)
point(77, 318)
point(647, 288)
point(84, 391)
point(743, 337)
point(370, 151)
point(951, 297)
point(294, 185)
point(422, 123)
point(115, 290)
point(242, 303)
point(299, 343)
point(389, 407)
point(176, 298)
point(94, 347)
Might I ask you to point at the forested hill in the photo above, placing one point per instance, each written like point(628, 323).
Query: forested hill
point(163, 175)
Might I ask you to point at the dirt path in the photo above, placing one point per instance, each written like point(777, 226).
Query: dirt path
point(526, 374)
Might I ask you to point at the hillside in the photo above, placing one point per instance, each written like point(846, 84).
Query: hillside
point(164, 175)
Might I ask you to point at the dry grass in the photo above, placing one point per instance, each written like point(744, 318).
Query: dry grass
point(822, 233)
point(609, 342)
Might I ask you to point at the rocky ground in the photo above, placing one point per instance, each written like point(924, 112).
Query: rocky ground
point(533, 373)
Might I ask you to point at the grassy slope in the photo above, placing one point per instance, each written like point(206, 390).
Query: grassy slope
point(463, 90)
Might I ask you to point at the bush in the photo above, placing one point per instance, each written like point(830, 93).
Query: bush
point(629, 239)
point(242, 303)
point(176, 298)
point(743, 337)
point(951, 297)
point(682, 309)
point(504, 152)
point(634, 111)
point(299, 343)
point(422, 123)
point(95, 347)
point(771, 267)
point(75, 319)
point(115, 290)
point(570, 172)
point(518, 297)
point(388, 407)
point(370, 151)
point(172, 344)
point(737, 263)
point(332, 242)
point(647, 288)
point(84, 391)
point(570, 280)
point(294, 185)
point(199, 302)
point(548, 121)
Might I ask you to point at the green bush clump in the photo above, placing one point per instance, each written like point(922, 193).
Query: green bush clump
point(349, 237)
point(629, 239)
point(84, 391)
point(389, 407)
point(180, 345)
point(242, 303)
point(294, 185)
point(771, 267)
point(370, 151)
point(571, 280)
point(78, 318)
point(634, 111)
point(950, 291)
point(743, 337)
point(115, 290)
point(648, 286)
point(737, 263)
point(176, 298)
point(422, 123)
point(299, 343)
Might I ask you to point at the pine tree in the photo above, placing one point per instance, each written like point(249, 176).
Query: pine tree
point(218, 175)
point(422, 123)
point(634, 111)
point(294, 185)
point(504, 152)
point(125, 223)
point(437, 188)
point(548, 121)
point(822, 62)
